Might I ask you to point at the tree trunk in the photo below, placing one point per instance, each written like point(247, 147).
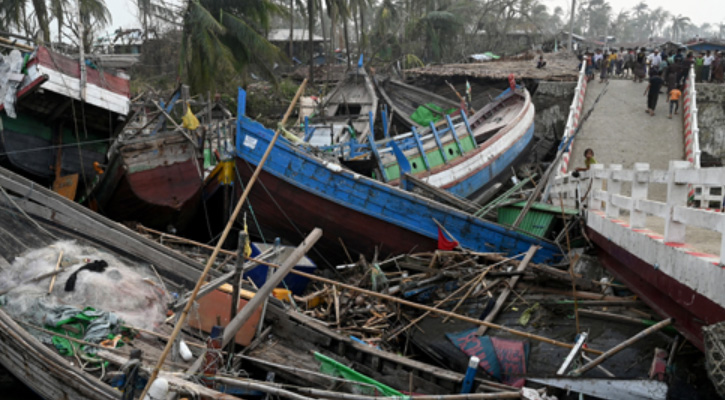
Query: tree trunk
point(347, 42)
point(41, 14)
point(291, 29)
point(357, 31)
point(323, 27)
point(332, 12)
point(311, 28)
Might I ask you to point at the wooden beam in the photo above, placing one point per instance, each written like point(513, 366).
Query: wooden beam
point(507, 290)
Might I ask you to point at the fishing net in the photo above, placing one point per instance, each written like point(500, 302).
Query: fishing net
point(102, 282)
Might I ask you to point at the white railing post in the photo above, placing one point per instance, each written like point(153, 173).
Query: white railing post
point(722, 242)
point(594, 169)
point(614, 186)
point(640, 187)
point(676, 196)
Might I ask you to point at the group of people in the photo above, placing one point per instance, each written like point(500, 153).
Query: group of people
point(639, 64)
point(670, 70)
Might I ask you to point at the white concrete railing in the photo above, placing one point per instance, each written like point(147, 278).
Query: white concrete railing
point(572, 122)
point(675, 213)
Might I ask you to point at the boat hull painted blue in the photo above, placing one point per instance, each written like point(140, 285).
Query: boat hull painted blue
point(500, 166)
point(299, 191)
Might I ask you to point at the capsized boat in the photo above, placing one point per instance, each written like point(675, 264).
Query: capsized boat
point(299, 190)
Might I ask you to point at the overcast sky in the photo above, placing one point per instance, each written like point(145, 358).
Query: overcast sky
point(124, 12)
point(699, 11)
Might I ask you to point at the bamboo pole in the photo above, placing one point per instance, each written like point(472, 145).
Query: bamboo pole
point(616, 349)
point(571, 266)
point(471, 287)
point(318, 393)
point(55, 275)
point(508, 289)
point(202, 278)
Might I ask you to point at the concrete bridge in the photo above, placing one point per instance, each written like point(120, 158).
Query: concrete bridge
point(638, 200)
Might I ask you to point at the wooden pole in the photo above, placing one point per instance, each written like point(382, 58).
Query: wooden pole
point(471, 287)
point(616, 349)
point(230, 331)
point(571, 265)
point(507, 290)
point(202, 278)
point(261, 296)
point(55, 275)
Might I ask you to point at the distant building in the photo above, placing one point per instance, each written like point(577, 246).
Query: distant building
point(300, 44)
point(705, 45)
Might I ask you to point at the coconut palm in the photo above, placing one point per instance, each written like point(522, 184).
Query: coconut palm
point(223, 36)
point(12, 13)
point(679, 23)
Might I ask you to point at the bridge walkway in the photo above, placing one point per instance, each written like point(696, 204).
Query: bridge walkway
point(621, 132)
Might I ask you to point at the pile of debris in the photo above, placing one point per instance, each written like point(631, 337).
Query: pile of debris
point(561, 67)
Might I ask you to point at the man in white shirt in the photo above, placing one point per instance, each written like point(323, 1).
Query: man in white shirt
point(654, 61)
point(598, 56)
point(707, 61)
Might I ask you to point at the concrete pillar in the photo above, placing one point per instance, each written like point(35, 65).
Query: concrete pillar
point(594, 169)
point(676, 196)
point(614, 186)
point(640, 186)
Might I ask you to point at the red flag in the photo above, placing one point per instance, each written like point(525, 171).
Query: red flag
point(445, 244)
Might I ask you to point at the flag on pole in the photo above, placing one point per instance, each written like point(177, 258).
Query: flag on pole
point(444, 243)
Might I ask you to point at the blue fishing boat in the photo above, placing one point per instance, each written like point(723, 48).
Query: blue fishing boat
point(299, 190)
point(462, 154)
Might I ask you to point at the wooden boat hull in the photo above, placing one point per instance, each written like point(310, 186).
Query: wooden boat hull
point(298, 191)
point(155, 181)
point(39, 366)
point(404, 99)
point(664, 294)
point(28, 145)
point(53, 127)
point(43, 370)
point(351, 102)
point(499, 148)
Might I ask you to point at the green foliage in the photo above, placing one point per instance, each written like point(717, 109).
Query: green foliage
point(222, 37)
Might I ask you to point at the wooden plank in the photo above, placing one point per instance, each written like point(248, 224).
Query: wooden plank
point(507, 290)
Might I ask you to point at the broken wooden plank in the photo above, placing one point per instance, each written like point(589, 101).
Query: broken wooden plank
point(507, 290)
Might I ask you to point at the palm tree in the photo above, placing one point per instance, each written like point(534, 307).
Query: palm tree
point(12, 13)
point(679, 23)
point(223, 36)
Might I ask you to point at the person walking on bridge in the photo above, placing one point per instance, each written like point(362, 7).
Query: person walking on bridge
point(675, 95)
point(640, 66)
point(653, 92)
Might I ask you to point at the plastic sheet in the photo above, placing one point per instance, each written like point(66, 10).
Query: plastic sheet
point(130, 291)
